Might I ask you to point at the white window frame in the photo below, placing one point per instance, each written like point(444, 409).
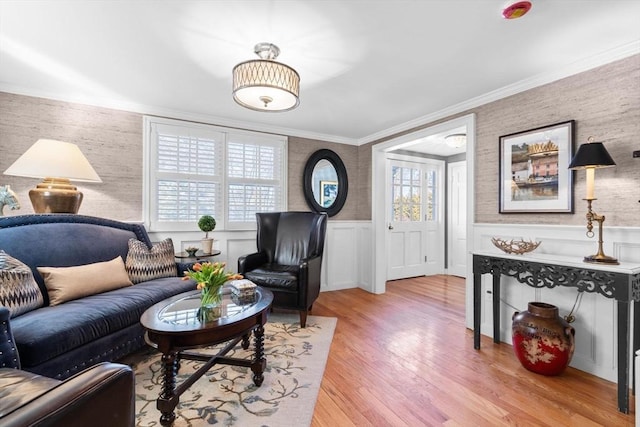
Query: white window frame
point(150, 176)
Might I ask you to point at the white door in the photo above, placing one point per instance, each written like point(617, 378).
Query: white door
point(434, 216)
point(457, 219)
point(414, 221)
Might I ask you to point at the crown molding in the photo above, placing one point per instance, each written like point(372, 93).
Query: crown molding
point(177, 114)
point(579, 66)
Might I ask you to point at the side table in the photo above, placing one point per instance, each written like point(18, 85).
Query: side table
point(199, 256)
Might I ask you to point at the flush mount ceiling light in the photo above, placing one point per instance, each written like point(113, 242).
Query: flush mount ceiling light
point(264, 84)
point(456, 140)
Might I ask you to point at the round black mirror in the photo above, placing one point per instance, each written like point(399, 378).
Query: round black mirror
point(325, 182)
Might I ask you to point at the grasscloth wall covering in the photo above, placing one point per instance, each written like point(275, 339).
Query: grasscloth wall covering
point(299, 151)
point(604, 102)
point(110, 139)
point(112, 142)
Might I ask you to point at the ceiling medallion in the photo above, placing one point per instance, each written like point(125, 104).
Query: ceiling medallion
point(264, 84)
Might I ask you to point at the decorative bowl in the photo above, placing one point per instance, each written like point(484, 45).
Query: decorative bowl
point(191, 251)
point(518, 247)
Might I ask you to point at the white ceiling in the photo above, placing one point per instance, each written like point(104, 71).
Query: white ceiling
point(368, 68)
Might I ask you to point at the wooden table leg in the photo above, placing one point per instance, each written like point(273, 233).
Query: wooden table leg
point(259, 362)
point(245, 341)
point(168, 400)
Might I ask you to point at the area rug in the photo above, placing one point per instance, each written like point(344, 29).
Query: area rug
point(226, 395)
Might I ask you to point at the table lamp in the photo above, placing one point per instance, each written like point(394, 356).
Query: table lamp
point(591, 156)
point(57, 162)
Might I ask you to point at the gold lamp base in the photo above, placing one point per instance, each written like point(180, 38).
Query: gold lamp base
point(55, 195)
point(601, 259)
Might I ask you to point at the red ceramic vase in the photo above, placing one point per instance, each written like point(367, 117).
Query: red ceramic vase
point(542, 340)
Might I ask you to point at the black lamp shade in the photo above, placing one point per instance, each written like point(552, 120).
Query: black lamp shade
point(591, 154)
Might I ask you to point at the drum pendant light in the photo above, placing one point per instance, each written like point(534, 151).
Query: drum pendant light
point(265, 84)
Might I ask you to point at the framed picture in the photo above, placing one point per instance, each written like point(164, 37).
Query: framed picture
point(328, 193)
point(534, 174)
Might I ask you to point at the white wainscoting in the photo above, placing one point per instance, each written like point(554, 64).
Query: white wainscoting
point(348, 256)
point(348, 253)
point(596, 330)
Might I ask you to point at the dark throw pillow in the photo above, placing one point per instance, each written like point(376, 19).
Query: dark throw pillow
point(146, 264)
point(19, 291)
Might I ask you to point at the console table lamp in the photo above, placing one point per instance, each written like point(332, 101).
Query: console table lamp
point(591, 156)
point(57, 162)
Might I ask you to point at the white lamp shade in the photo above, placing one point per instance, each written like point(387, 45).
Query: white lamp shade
point(54, 159)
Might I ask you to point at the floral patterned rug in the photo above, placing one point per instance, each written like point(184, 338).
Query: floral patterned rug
point(226, 395)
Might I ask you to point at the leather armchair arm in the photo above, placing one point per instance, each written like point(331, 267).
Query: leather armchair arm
point(310, 270)
point(251, 261)
point(8, 352)
point(101, 396)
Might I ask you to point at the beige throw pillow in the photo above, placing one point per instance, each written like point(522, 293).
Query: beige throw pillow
point(69, 283)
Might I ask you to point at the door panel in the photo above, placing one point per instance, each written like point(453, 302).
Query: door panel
point(414, 201)
point(457, 257)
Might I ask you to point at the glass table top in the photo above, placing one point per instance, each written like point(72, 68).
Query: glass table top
point(186, 310)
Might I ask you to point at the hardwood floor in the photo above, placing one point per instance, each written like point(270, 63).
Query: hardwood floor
point(405, 358)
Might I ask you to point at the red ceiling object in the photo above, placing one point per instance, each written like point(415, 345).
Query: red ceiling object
point(516, 10)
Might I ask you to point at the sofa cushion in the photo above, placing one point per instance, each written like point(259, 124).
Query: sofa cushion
point(284, 277)
point(69, 283)
point(48, 332)
point(147, 264)
point(19, 292)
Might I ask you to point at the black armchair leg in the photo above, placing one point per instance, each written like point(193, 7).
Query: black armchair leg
point(303, 318)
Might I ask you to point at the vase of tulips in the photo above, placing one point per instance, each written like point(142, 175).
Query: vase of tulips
point(209, 278)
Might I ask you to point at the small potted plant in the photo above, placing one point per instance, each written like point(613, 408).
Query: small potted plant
point(207, 223)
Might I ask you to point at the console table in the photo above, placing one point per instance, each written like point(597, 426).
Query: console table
point(620, 282)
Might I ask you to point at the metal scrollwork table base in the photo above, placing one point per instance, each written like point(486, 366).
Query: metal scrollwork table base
point(620, 282)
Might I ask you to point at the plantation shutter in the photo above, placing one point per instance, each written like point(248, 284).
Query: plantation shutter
point(254, 178)
point(188, 175)
point(198, 169)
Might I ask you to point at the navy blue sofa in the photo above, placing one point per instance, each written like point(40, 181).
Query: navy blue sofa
point(59, 341)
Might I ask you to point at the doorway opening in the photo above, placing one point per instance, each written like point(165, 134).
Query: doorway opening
point(381, 208)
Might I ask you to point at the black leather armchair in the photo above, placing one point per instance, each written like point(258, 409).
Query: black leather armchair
point(100, 396)
point(289, 258)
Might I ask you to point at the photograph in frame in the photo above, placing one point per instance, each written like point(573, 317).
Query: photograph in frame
point(328, 193)
point(534, 175)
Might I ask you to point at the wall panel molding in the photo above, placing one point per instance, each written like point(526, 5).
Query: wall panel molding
point(596, 327)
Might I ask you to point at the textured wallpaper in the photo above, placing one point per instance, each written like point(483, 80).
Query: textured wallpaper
point(110, 139)
point(604, 102)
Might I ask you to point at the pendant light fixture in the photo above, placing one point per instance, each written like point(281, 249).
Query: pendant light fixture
point(264, 84)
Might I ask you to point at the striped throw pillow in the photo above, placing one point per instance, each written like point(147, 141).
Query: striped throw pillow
point(146, 264)
point(19, 292)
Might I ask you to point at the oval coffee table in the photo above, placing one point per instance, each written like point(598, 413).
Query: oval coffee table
point(173, 327)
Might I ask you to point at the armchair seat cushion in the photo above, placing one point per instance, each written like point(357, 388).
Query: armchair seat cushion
point(284, 277)
point(48, 332)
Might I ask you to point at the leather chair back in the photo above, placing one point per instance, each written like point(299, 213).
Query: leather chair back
point(289, 237)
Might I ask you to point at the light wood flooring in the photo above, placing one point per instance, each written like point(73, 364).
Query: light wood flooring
point(405, 358)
